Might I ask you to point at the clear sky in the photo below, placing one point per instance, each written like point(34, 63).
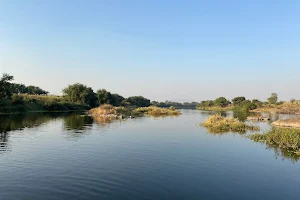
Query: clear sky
point(161, 49)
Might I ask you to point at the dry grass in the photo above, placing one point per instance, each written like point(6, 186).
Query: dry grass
point(216, 108)
point(155, 111)
point(292, 122)
point(285, 108)
point(218, 124)
point(42, 98)
point(103, 110)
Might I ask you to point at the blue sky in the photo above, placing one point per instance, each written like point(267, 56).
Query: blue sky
point(163, 50)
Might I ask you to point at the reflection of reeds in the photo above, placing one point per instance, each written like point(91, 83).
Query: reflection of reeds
point(103, 120)
point(218, 124)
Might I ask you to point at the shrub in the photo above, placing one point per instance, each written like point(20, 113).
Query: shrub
point(221, 101)
point(155, 111)
point(218, 124)
point(286, 138)
point(17, 99)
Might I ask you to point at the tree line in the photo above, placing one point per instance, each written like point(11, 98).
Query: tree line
point(239, 103)
point(75, 93)
point(167, 104)
point(79, 93)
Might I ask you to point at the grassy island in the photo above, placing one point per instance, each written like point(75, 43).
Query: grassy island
point(218, 124)
point(109, 112)
point(285, 138)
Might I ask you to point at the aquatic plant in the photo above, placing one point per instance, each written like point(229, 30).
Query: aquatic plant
point(218, 124)
point(286, 138)
point(155, 111)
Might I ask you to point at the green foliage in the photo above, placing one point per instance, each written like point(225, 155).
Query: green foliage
point(218, 124)
point(117, 100)
point(5, 86)
point(286, 138)
point(138, 101)
point(17, 99)
point(81, 94)
point(167, 104)
point(104, 97)
point(156, 111)
point(33, 90)
point(273, 98)
point(221, 101)
point(238, 100)
point(257, 137)
point(208, 103)
point(245, 105)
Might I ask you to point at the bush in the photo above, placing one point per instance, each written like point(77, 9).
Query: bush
point(286, 138)
point(218, 124)
point(17, 99)
point(221, 101)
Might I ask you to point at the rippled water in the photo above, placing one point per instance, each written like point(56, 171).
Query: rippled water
point(70, 156)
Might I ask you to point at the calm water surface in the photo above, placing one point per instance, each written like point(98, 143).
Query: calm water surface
point(69, 156)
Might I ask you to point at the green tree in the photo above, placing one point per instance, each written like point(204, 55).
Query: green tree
point(207, 103)
point(35, 90)
point(79, 93)
point(273, 98)
point(5, 86)
point(18, 88)
point(104, 97)
point(138, 101)
point(238, 100)
point(221, 101)
point(117, 99)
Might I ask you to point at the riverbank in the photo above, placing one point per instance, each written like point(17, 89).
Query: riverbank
point(290, 123)
point(38, 103)
point(285, 108)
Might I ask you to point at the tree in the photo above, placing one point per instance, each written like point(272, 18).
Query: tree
point(81, 94)
point(35, 90)
point(5, 86)
point(238, 100)
point(19, 88)
point(138, 101)
point(104, 97)
point(207, 103)
point(117, 99)
point(273, 98)
point(221, 101)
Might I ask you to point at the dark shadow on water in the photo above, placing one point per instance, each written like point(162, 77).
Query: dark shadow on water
point(73, 122)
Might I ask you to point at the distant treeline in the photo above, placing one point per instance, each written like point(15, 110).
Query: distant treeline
point(166, 104)
point(237, 103)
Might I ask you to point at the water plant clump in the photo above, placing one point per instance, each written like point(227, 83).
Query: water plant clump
point(156, 111)
point(286, 138)
point(218, 124)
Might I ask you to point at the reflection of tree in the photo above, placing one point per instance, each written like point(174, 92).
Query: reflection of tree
point(77, 122)
point(9, 123)
point(240, 115)
point(4, 145)
point(284, 153)
point(76, 125)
